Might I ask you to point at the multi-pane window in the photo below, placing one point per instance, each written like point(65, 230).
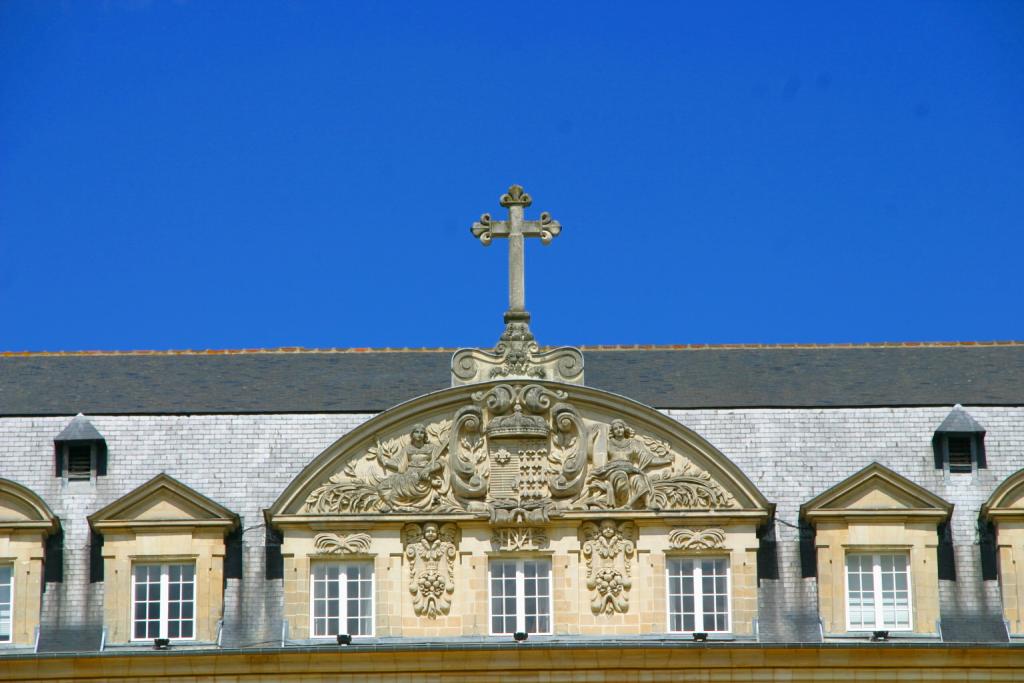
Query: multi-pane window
point(342, 595)
point(698, 594)
point(164, 601)
point(877, 592)
point(6, 601)
point(520, 596)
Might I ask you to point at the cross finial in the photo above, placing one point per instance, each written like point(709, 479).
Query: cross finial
point(516, 355)
point(516, 229)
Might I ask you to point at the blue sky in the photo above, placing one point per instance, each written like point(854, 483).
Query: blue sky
point(255, 174)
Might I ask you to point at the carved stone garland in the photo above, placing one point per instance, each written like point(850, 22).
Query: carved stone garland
point(430, 550)
point(608, 549)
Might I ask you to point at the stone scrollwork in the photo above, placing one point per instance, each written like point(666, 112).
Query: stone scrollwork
point(696, 539)
point(430, 550)
point(643, 473)
point(519, 454)
point(608, 548)
point(405, 474)
point(516, 539)
point(355, 543)
point(517, 359)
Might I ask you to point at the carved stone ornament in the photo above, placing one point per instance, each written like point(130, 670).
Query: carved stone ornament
point(430, 550)
point(355, 543)
point(608, 549)
point(517, 454)
point(519, 538)
point(516, 355)
point(641, 473)
point(696, 539)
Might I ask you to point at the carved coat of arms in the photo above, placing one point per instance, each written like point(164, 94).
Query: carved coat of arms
point(518, 453)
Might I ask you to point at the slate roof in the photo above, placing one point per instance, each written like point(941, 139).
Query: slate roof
point(358, 381)
point(959, 422)
point(79, 429)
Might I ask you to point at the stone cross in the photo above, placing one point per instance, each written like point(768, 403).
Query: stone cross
point(516, 229)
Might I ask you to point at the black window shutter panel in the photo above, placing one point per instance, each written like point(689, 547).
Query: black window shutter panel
point(101, 459)
point(938, 446)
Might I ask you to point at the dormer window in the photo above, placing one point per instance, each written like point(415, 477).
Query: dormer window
point(960, 453)
point(80, 452)
point(79, 463)
point(959, 443)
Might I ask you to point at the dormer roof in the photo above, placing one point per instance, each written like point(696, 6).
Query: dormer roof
point(163, 501)
point(876, 492)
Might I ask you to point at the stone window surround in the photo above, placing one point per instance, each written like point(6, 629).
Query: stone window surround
point(25, 523)
point(299, 552)
point(1005, 510)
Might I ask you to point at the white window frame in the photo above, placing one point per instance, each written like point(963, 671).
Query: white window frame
point(876, 580)
point(165, 599)
point(342, 597)
point(520, 595)
point(10, 605)
point(698, 592)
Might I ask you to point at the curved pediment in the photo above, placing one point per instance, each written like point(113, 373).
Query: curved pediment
point(519, 451)
point(21, 508)
point(1007, 502)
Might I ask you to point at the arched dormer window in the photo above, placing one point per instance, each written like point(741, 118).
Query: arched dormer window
point(25, 523)
point(1005, 511)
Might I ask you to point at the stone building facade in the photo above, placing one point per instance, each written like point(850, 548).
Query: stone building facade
point(604, 514)
point(233, 458)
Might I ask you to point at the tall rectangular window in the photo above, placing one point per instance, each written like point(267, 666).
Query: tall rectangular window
point(163, 601)
point(698, 595)
point(342, 597)
point(878, 592)
point(6, 602)
point(520, 596)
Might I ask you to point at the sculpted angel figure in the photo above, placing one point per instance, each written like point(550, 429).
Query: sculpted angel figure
point(416, 472)
point(623, 477)
point(430, 550)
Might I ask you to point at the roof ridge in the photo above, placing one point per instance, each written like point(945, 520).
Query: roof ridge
point(585, 347)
